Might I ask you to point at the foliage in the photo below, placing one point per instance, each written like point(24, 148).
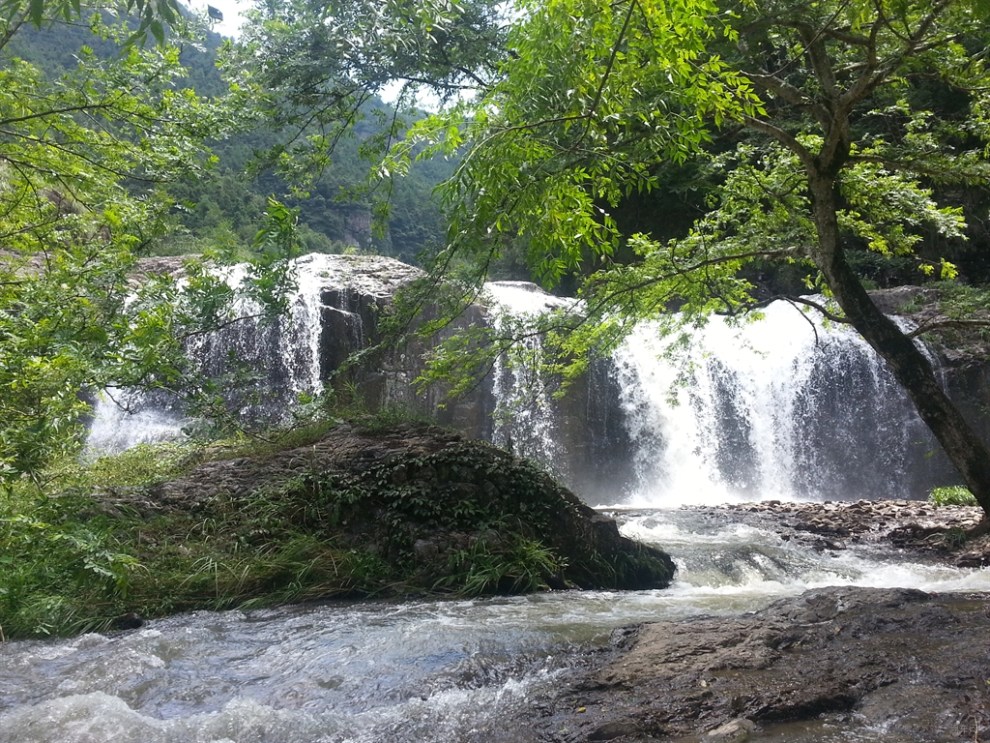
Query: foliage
point(490, 565)
point(59, 572)
point(90, 150)
point(110, 544)
point(317, 75)
point(952, 495)
point(817, 124)
point(153, 16)
point(598, 96)
point(73, 219)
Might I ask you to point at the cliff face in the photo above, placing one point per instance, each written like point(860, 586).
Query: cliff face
point(961, 346)
point(584, 437)
point(355, 291)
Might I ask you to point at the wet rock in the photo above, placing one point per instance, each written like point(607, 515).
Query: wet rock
point(614, 730)
point(910, 663)
point(944, 532)
point(131, 620)
point(735, 731)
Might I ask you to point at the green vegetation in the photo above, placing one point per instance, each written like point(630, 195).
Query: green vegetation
point(120, 143)
point(157, 530)
point(817, 131)
point(835, 143)
point(518, 565)
point(952, 495)
point(71, 226)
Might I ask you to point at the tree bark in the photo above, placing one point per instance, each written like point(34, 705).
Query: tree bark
point(912, 369)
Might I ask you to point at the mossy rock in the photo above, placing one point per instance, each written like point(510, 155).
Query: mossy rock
point(439, 511)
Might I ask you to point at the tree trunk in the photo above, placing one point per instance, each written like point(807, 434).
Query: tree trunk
point(964, 447)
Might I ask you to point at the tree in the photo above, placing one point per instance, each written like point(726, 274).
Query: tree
point(829, 146)
point(318, 71)
point(82, 159)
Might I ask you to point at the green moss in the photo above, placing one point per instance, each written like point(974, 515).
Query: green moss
point(953, 495)
point(444, 516)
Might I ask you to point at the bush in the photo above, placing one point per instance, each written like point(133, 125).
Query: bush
point(953, 495)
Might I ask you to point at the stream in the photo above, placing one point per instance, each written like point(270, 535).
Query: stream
point(390, 672)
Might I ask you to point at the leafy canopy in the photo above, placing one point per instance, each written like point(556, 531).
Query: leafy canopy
point(82, 159)
point(598, 98)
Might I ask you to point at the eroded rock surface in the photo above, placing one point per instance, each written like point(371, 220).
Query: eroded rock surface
point(912, 664)
point(943, 533)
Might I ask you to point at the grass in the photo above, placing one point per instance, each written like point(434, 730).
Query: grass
point(95, 543)
point(75, 561)
point(953, 495)
point(71, 563)
point(67, 565)
point(493, 565)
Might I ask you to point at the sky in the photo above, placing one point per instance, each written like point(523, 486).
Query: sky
point(231, 13)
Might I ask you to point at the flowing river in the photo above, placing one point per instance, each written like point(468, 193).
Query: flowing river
point(787, 407)
point(388, 672)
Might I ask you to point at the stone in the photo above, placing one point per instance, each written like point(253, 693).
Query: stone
point(734, 731)
point(832, 655)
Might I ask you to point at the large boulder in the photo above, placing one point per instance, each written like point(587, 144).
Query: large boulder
point(831, 661)
point(441, 511)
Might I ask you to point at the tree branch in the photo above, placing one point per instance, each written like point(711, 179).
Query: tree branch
point(939, 323)
point(782, 136)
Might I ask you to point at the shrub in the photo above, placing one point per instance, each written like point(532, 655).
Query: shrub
point(952, 495)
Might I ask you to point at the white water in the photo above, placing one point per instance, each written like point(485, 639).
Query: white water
point(786, 407)
point(263, 367)
point(115, 428)
point(525, 420)
point(400, 672)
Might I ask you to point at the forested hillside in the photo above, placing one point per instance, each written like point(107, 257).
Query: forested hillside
point(223, 208)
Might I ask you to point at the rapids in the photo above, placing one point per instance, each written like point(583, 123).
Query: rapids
point(785, 408)
point(402, 672)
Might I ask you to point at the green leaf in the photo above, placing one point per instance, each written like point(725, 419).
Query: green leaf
point(36, 11)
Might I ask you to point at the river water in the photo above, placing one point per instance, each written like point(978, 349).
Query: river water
point(388, 672)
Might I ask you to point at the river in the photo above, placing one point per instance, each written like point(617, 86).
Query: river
point(388, 672)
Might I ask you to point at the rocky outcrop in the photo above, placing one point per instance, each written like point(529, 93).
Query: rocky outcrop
point(962, 346)
point(901, 661)
point(590, 439)
point(838, 663)
point(438, 509)
point(926, 532)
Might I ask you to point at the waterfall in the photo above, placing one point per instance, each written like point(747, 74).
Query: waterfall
point(526, 419)
point(785, 407)
point(262, 368)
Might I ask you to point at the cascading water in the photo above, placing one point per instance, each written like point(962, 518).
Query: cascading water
point(786, 407)
point(779, 408)
point(525, 417)
point(262, 367)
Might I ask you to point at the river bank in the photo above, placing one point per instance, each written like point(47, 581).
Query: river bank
point(396, 511)
point(842, 663)
point(519, 669)
point(834, 664)
point(912, 528)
